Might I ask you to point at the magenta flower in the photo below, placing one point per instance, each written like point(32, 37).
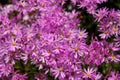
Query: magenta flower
point(16, 30)
point(82, 34)
point(109, 25)
point(90, 5)
point(44, 34)
point(58, 72)
point(89, 73)
point(13, 45)
point(105, 34)
point(97, 77)
point(5, 69)
point(115, 59)
point(78, 49)
point(115, 31)
point(100, 14)
point(96, 53)
point(114, 76)
point(17, 76)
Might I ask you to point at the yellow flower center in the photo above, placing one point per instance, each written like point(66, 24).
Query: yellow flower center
point(13, 43)
point(11, 54)
point(14, 36)
point(70, 38)
point(98, 15)
point(115, 29)
point(30, 31)
point(76, 49)
point(88, 74)
point(79, 42)
point(80, 34)
point(60, 69)
point(106, 32)
point(112, 57)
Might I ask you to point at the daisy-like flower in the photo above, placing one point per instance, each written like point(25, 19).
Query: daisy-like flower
point(115, 31)
point(13, 45)
point(97, 77)
point(105, 34)
point(109, 24)
point(114, 76)
point(82, 34)
point(71, 35)
point(78, 49)
point(5, 69)
point(30, 34)
point(100, 14)
point(114, 58)
point(89, 72)
point(16, 30)
point(58, 72)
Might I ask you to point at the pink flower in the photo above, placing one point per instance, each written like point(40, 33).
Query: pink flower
point(96, 53)
point(115, 59)
point(58, 72)
point(18, 76)
point(96, 77)
point(78, 49)
point(82, 34)
point(30, 33)
point(5, 69)
point(100, 14)
point(13, 45)
point(16, 30)
point(89, 73)
point(114, 76)
point(105, 34)
point(115, 31)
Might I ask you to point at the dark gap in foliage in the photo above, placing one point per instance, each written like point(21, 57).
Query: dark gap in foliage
point(5, 2)
point(110, 4)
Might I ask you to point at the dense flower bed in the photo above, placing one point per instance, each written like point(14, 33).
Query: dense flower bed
point(41, 40)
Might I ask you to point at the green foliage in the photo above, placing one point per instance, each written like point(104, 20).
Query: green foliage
point(28, 68)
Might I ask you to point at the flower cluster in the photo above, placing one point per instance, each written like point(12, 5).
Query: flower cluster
point(108, 22)
point(90, 5)
point(43, 33)
point(109, 19)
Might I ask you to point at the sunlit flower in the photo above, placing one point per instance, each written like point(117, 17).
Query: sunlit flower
point(89, 72)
